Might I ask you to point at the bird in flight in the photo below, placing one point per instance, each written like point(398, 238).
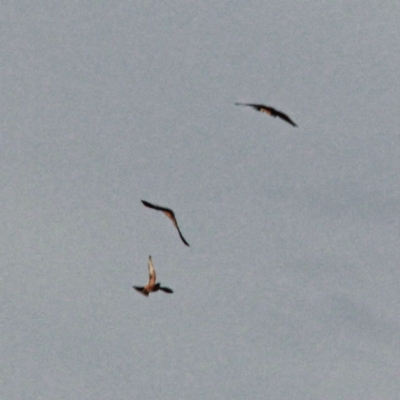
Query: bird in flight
point(269, 110)
point(152, 286)
point(170, 214)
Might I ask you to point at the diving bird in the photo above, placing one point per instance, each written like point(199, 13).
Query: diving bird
point(152, 286)
point(269, 110)
point(170, 214)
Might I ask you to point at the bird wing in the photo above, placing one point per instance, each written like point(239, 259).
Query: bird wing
point(156, 207)
point(152, 273)
point(166, 289)
point(269, 110)
point(258, 107)
point(141, 289)
point(181, 236)
point(170, 214)
point(284, 117)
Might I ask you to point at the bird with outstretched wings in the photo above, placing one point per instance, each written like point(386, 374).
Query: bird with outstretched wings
point(270, 111)
point(152, 286)
point(170, 214)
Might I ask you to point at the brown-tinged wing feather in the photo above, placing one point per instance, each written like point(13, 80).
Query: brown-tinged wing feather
point(141, 289)
point(170, 214)
point(152, 273)
point(269, 110)
point(156, 207)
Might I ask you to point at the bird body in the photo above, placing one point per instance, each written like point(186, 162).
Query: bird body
point(152, 286)
point(269, 110)
point(170, 214)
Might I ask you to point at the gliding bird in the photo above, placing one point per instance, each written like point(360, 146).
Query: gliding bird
point(270, 111)
point(170, 214)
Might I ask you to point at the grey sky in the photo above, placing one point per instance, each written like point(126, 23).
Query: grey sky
point(290, 288)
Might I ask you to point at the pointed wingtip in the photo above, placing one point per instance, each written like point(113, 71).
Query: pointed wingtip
point(183, 239)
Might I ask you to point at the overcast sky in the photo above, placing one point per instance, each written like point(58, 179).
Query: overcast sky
point(290, 288)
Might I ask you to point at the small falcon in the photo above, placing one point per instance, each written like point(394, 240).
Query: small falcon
point(170, 214)
point(269, 110)
point(152, 286)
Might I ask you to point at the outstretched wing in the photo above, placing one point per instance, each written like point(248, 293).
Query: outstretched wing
point(284, 117)
point(181, 236)
point(141, 289)
point(152, 273)
point(269, 110)
point(167, 211)
point(166, 289)
point(156, 207)
point(170, 214)
point(258, 107)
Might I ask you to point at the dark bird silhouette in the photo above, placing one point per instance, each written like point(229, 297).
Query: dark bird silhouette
point(170, 214)
point(270, 111)
point(152, 286)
